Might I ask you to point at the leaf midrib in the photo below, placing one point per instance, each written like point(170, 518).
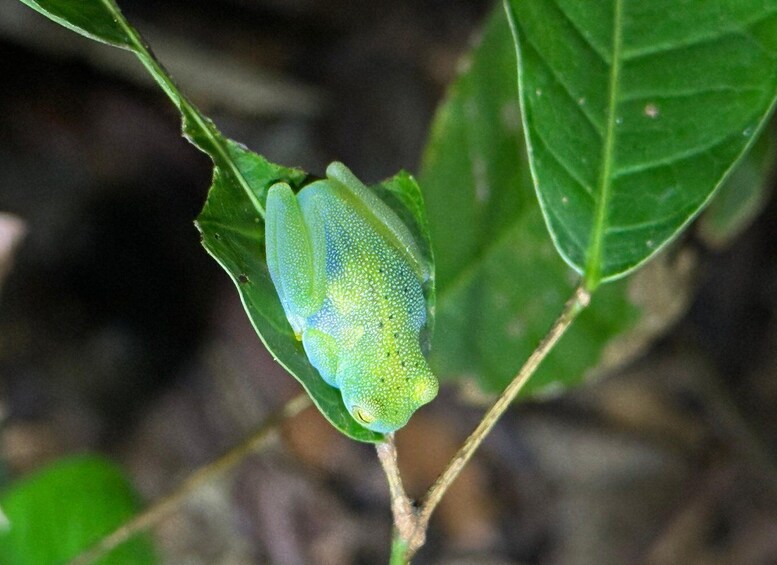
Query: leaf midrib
point(594, 265)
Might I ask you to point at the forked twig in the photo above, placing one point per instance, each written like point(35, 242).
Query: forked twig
point(413, 537)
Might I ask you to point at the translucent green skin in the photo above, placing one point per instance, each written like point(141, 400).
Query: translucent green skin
point(349, 276)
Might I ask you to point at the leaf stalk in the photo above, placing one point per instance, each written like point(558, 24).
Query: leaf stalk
point(216, 146)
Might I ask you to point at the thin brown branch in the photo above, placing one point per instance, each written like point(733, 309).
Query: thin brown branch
point(406, 528)
point(415, 538)
point(572, 308)
point(171, 502)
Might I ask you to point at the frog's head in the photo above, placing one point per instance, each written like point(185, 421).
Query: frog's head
point(383, 400)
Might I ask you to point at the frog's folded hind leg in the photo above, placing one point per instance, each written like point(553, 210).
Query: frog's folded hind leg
point(294, 256)
point(321, 349)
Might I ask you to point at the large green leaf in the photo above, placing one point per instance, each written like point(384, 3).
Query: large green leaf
point(634, 112)
point(232, 221)
point(64, 509)
point(500, 283)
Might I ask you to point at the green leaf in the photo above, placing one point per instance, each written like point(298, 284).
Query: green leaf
point(500, 284)
point(64, 509)
point(233, 233)
point(91, 18)
point(743, 194)
point(634, 112)
point(232, 221)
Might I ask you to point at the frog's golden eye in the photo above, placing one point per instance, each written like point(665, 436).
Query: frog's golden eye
point(362, 415)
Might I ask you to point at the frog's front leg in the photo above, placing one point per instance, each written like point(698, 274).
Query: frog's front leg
point(295, 256)
point(322, 349)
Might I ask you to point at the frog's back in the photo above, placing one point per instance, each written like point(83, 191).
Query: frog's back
point(369, 285)
point(347, 235)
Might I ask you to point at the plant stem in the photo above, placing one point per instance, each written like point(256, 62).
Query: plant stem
point(398, 550)
point(405, 515)
point(216, 144)
point(414, 537)
point(168, 504)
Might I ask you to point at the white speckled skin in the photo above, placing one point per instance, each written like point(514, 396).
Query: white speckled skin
point(349, 280)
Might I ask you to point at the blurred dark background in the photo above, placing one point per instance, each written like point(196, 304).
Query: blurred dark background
point(119, 334)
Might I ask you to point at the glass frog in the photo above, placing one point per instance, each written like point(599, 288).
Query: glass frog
point(349, 276)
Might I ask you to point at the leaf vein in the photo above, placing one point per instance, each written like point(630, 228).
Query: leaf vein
point(679, 156)
point(642, 225)
point(603, 55)
point(635, 96)
point(557, 77)
point(565, 166)
point(660, 49)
